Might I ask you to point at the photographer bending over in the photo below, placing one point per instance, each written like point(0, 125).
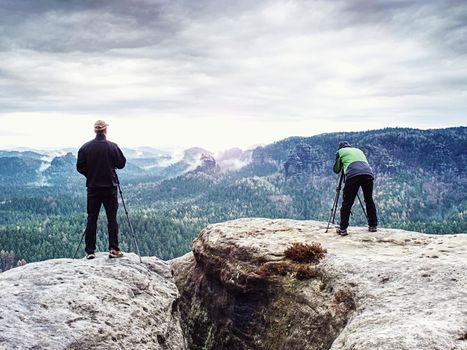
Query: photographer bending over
point(358, 173)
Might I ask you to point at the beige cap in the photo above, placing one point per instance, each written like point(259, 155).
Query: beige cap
point(100, 125)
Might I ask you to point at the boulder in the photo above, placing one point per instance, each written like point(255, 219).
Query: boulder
point(90, 304)
point(386, 290)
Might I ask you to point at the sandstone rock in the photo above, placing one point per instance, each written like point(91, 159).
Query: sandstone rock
point(386, 290)
point(90, 304)
point(207, 163)
point(302, 160)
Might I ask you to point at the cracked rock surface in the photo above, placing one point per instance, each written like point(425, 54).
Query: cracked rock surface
point(90, 304)
point(387, 290)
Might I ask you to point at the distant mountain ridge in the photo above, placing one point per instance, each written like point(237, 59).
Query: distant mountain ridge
point(388, 149)
point(141, 162)
point(420, 185)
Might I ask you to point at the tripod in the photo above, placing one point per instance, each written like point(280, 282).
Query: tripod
point(79, 244)
point(336, 201)
point(128, 218)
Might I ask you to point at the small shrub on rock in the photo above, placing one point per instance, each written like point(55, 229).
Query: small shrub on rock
point(305, 253)
point(304, 272)
point(273, 269)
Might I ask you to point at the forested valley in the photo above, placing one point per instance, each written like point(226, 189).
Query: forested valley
point(420, 185)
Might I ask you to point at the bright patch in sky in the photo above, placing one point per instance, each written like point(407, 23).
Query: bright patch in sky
point(219, 74)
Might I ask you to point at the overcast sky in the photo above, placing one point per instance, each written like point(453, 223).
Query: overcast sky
point(227, 73)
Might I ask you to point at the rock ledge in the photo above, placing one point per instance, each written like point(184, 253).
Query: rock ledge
point(90, 304)
point(387, 290)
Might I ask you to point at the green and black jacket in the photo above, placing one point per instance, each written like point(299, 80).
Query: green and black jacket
point(353, 162)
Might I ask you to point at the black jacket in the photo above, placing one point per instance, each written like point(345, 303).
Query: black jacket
point(97, 160)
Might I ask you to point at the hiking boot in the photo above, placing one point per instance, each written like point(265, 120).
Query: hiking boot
point(341, 232)
point(90, 256)
point(115, 253)
point(372, 229)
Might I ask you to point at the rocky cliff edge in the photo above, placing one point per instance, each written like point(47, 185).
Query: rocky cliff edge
point(386, 290)
point(90, 304)
point(241, 288)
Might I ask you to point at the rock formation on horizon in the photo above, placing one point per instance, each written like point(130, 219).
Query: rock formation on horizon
point(193, 154)
point(302, 160)
point(207, 164)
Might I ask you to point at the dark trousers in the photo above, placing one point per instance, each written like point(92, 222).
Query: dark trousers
point(351, 188)
point(108, 196)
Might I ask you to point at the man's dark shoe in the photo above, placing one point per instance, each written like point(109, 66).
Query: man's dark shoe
point(372, 229)
point(341, 232)
point(114, 253)
point(90, 256)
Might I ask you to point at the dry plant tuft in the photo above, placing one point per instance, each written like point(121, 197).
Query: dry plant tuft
point(273, 269)
point(305, 253)
point(304, 272)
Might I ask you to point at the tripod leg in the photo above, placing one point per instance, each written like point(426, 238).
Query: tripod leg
point(336, 202)
point(333, 212)
point(129, 223)
point(363, 208)
point(77, 248)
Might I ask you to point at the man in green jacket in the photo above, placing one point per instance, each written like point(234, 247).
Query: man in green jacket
point(358, 173)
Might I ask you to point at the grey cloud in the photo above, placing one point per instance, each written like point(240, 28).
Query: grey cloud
point(93, 26)
point(441, 22)
point(99, 26)
point(267, 59)
point(88, 26)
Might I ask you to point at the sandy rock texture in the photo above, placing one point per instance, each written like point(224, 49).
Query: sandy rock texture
point(90, 304)
point(389, 290)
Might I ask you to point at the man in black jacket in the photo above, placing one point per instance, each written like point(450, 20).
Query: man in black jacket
point(97, 160)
